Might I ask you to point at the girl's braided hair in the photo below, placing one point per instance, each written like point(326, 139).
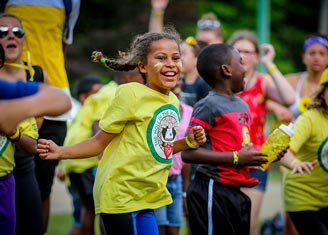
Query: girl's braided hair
point(138, 50)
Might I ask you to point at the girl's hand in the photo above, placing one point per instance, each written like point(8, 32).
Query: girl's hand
point(268, 54)
point(48, 150)
point(159, 5)
point(300, 167)
point(197, 135)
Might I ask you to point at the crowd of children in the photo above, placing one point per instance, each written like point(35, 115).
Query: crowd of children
point(140, 136)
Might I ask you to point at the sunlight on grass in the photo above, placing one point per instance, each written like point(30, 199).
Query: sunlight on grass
point(59, 224)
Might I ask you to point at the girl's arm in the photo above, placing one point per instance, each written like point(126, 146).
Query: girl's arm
point(156, 20)
point(282, 113)
point(275, 84)
point(196, 136)
point(91, 147)
point(296, 165)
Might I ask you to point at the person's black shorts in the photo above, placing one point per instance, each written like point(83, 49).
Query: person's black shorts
point(216, 208)
point(83, 184)
point(45, 169)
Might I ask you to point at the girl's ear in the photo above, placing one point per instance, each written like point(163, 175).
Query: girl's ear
point(142, 68)
point(225, 70)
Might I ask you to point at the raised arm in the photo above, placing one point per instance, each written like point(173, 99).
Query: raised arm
point(156, 20)
point(276, 86)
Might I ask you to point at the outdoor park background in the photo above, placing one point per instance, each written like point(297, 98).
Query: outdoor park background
point(110, 25)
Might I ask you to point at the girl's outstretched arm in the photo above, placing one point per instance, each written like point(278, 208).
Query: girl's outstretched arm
point(91, 147)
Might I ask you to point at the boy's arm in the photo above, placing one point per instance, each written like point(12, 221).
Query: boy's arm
point(246, 156)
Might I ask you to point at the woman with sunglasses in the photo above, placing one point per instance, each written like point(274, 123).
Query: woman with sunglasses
point(49, 27)
point(258, 89)
point(28, 199)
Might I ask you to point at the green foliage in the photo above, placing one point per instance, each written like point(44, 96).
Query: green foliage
point(110, 25)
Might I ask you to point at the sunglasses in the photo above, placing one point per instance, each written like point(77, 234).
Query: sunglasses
point(17, 31)
point(208, 24)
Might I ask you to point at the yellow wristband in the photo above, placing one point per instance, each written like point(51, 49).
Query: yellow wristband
point(235, 157)
point(190, 145)
point(292, 164)
point(157, 12)
point(15, 136)
point(272, 69)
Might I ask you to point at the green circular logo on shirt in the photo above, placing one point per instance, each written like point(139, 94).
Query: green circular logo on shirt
point(323, 155)
point(3, 143)
point(162, 131)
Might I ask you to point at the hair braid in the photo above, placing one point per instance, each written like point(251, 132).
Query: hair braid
point(138, 51)
point(119, 64)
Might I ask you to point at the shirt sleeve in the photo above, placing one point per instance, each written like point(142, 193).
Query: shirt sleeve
point(302, 123)
point(13, 90)
point(120, 110)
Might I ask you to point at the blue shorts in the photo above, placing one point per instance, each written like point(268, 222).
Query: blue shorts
point(171, 215)
point(262, 177)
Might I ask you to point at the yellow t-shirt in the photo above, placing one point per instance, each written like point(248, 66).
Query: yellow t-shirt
point(133, 171)
point(43, 22)
point(307, 192)
point(7, 147)
point(29, 127)
point(81, 126)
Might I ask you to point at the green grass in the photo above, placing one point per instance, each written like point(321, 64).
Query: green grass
point(59, 224)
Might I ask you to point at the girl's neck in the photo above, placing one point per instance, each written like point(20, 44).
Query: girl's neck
point(313, 76)
point(311, 83)
point(249, 78)
point(191, 76)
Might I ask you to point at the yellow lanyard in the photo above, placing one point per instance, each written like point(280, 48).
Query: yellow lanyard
point(23, 66)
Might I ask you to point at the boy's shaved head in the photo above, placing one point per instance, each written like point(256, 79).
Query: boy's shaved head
point(211, 58)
